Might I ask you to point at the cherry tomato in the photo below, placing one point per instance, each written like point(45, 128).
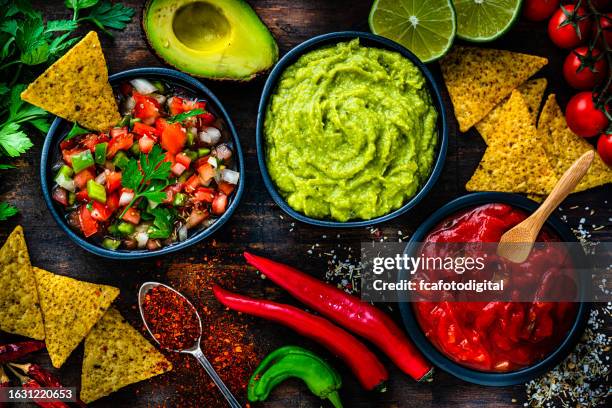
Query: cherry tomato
point(539, 10)
point(566, 36)
point(604, 148)
point(606, 26)
point(585, 78)
point(582, 117)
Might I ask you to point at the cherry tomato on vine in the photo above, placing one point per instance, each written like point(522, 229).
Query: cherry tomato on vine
point(539, 10)
point(582, 117)
point(606, 27)
point(592, 72)
point(566, 35)
point(604, 148)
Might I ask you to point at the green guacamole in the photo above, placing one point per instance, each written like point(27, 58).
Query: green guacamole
point(350, 132)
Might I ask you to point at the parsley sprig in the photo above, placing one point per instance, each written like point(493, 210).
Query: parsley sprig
point(185, 115)
point(147, 177)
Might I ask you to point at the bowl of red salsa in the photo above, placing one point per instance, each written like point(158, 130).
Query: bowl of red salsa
point(493, 343)
point(165, 177)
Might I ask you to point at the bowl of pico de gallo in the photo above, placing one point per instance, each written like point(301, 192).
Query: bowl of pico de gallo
point(167, 176)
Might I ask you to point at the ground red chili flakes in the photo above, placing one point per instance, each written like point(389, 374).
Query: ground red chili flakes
point(171, 319)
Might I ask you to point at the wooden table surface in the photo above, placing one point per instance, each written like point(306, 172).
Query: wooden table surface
point(260, 225)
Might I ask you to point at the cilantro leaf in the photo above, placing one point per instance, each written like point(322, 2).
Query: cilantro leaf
point(162, 224)
point(185, 115)
point(7, 210)
point(107, 15)
point(13, 141)
point(76, 131)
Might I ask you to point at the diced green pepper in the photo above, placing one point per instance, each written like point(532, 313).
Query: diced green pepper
point(125, 121)
point(132, 121)
point(65, 171)
point(100, 153)
point(191, 154)
point(121, 160)
point(186, 174)
point(82, 160)
point(191, 137)
point(96, 191)
point(113, 230)
point(203, 151)
point(135, 149)
point(111, 243)
point(179, 199)
point(71, 198)
point(125, 228)
point(160, 87)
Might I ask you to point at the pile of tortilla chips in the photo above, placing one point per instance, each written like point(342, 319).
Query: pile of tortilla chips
point(491, 90)
point(65, 311)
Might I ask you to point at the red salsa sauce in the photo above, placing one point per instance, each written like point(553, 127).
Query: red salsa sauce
point(495, 336)
point(171, 319)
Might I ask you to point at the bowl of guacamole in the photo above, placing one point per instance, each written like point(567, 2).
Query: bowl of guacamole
point(351, 130)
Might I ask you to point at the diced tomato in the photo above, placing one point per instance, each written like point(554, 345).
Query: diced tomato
point(116, 132)
point(112, 201)
point(82, 177)
point(191, 104)
point(171, 192)
point(175, 105)
point(183, 159)
point(60, 195)
point(100, 212)
point(219, 204)
point(89, 225)
point(146, 144)
point(68, 153)
point(178, 169)
point(204, 194)
point(207, 118)
point(192, 183)
point(146, 130)
point(173, 138)
point(125, 88)
point(82, 196)
point(132, 215)
point(160, 125)
point(113, 181)
point(226, 188)
point(196, 217)
point(200, 162)
point(206, 172)
point(91, 140)
point(146, 108)
point(68, 144)
point(169, 157)
point(121, 142)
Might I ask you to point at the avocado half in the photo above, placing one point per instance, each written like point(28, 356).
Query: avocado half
point(218, 39)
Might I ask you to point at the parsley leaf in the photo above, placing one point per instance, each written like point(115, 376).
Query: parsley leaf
point(162, 224)
point(7, 210)
point(61, 25)
point(185, 115)
point(80, 4)
point(76, 131)
point(107, 15)
point(6, 166)
point(13, 141)
point(20, 111)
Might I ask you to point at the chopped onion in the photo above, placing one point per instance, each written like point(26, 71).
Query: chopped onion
point(128, 105)
point(182, 233)
point(152, 204)
point(178, 169)
point(142, 238)
point(143, 86)
point(222, 152)
point(125, 198)
point(101, 178)
point(159, 98)
point(65, 183)
point(213, 161)
point(210, 135)
point(230, 176)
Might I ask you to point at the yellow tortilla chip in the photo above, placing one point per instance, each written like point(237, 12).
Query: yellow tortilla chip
point(76, 87)
point(514, 160)
point(532, 92)
point(19, 306)
point(563, 147)
point(117, 355)
point(478, 79)
point(70, 309)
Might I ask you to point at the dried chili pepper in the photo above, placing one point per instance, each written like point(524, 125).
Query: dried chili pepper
point(348, 311)
point(4, 383)
point(43, 377)
point(365, 365)
point(293, 361)
point(13, 351)
point(31, 384)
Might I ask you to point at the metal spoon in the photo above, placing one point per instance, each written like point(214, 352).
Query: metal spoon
point(195, 351)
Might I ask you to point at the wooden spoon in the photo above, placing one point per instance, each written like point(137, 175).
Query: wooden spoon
point(515, 245)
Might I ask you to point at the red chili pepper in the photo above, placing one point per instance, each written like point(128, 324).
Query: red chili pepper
point(13, 351)
point(31, 384)
point(348, 311)
point(365, 365)
point(43, 377)
point(4, 383)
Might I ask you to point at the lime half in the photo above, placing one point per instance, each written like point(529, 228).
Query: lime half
point(485, 20)
point(425, 27)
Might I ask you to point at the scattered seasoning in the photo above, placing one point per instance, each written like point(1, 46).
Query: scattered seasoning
point(13, 351)
point(171, 319)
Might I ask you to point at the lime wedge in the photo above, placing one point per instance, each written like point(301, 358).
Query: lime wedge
point(485, 20)
point(425, 27)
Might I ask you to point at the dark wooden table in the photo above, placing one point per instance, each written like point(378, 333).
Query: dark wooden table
point(260, 225)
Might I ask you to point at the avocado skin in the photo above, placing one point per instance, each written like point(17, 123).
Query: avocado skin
point(267, 43)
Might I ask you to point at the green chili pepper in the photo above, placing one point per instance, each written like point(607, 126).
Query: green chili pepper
point(292, 361)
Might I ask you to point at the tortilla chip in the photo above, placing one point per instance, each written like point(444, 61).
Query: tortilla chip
point(76, 87)
point(117, 355)
point(478, 79)
point(70, 309)
point(563, 147)
point(19, 306)
point(532, 92)
point(515, 160)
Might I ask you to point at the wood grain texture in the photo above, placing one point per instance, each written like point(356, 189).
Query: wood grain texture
point(258, 225)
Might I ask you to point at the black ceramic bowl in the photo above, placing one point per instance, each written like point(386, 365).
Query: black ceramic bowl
point(488, 378)
point(60, 127)
point(366, 39)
